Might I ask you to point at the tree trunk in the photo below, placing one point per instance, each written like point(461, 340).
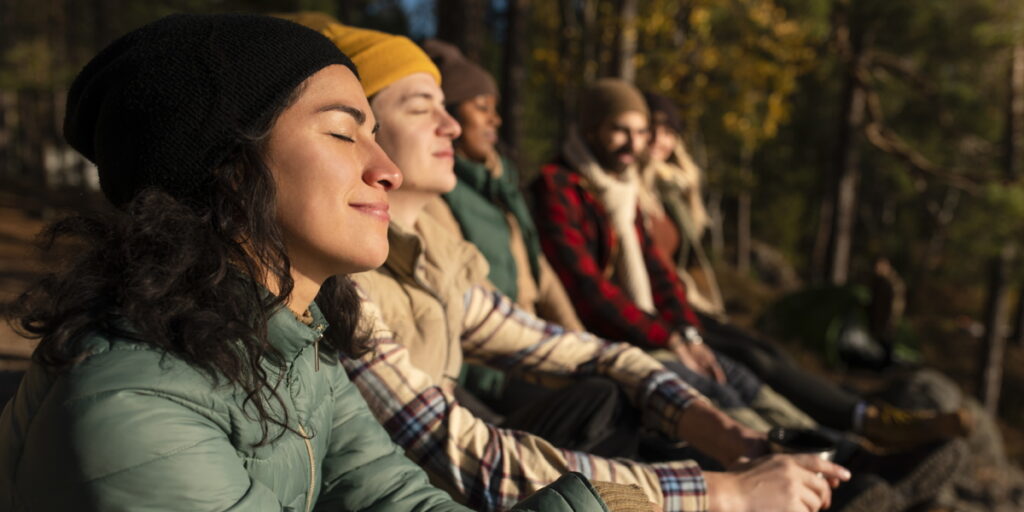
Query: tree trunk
point(514, 76)
point(743, 214)
point(570, 47)
point(1018, 319)
point(590, 41)
point(994, 345)
point(461, 22)
point(847, 163)
point(823, 235)
point(717, 223)
point(625, 57)
point(1015, 114)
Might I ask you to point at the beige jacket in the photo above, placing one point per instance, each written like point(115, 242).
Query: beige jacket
point(545, 297)
point(427, 308)
point(419, 294)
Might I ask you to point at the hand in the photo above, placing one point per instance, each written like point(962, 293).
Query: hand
point(697, 357)
point(711, 431)
point(780, 483)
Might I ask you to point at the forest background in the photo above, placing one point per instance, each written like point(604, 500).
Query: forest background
point(832, 132)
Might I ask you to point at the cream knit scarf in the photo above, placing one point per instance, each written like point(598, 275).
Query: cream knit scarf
point(618, 195)
point(680, 171)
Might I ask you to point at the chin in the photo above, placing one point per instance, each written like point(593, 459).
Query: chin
point(366, 263)
point(448, 184)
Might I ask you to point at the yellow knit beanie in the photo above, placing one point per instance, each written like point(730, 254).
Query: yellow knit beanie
point(382, 59)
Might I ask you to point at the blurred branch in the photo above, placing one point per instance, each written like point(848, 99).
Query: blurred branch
point(884, 139)
point(904, 68)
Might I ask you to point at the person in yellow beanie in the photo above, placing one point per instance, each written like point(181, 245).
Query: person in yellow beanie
point(429, 307)
point(384, 58)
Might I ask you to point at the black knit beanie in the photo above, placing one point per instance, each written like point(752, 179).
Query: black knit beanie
point(164, 105)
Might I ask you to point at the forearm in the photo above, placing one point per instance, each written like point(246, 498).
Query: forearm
point(497, 333)
point(713, 432)
point(491, 468)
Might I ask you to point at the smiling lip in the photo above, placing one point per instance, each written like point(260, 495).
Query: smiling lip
point(379, 210)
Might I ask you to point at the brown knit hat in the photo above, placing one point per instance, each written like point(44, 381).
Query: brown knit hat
point(608, 98)
point(462, 78)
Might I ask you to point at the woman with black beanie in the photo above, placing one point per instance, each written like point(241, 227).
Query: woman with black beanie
point(188, 354)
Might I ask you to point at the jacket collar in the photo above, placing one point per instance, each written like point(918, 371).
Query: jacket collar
point(289, 336)
point(406, 249)
point(448, 259)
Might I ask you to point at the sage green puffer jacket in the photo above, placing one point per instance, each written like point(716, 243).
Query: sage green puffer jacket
point(128, 428)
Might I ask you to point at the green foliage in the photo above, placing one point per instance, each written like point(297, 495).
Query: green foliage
point(759, 83)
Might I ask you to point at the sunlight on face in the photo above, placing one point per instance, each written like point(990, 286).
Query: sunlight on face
point(663, 143)
point(480, 121)
point(332, 178)
point(417, 132)
point(620, 140)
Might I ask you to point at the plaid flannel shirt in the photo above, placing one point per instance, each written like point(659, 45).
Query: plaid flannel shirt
point(489, 468)
point(578, 241)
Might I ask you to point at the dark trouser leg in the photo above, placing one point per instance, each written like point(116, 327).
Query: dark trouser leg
point(591, 415)
point(824, 401)
point(740, 388)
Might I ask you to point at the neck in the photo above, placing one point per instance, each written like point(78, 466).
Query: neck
point(407, 205)
point(305, 290)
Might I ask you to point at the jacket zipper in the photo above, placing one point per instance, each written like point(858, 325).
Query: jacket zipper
point(316, 347)
point(312, 468)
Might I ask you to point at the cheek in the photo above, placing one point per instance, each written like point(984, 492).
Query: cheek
point(614, 141)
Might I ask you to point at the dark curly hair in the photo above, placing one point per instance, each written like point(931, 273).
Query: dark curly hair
point(186, 278)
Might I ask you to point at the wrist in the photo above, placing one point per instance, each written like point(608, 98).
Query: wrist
point(722, 491)
point(691, 336)
point(713, 432)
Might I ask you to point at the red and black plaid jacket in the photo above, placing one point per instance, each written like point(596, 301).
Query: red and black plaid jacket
point(578, 240)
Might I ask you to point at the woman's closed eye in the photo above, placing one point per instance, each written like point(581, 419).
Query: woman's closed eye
point(343, 137)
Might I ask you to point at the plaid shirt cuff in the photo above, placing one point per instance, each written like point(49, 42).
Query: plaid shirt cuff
point(667, 396)
point(682, 486)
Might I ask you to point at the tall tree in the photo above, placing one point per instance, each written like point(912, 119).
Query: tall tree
point(990, 380)
point(850, 40)
point(625, 57)
point(513, 79)
point(462, 23)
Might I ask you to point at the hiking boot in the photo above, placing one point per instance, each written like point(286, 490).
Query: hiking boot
point(864, 492)
point(916, 476)
point(894, 428)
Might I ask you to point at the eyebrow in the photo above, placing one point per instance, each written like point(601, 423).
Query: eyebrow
point(415, 95)
point(356, 114)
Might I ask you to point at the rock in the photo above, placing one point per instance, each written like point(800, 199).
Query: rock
point(924, 389)
point(988, 482)
point(773, 267)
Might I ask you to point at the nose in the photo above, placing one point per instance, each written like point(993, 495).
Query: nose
point(447, 126)
point(382, 172)
point(638, 141)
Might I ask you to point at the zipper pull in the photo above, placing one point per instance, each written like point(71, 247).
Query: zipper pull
point(316, 354)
